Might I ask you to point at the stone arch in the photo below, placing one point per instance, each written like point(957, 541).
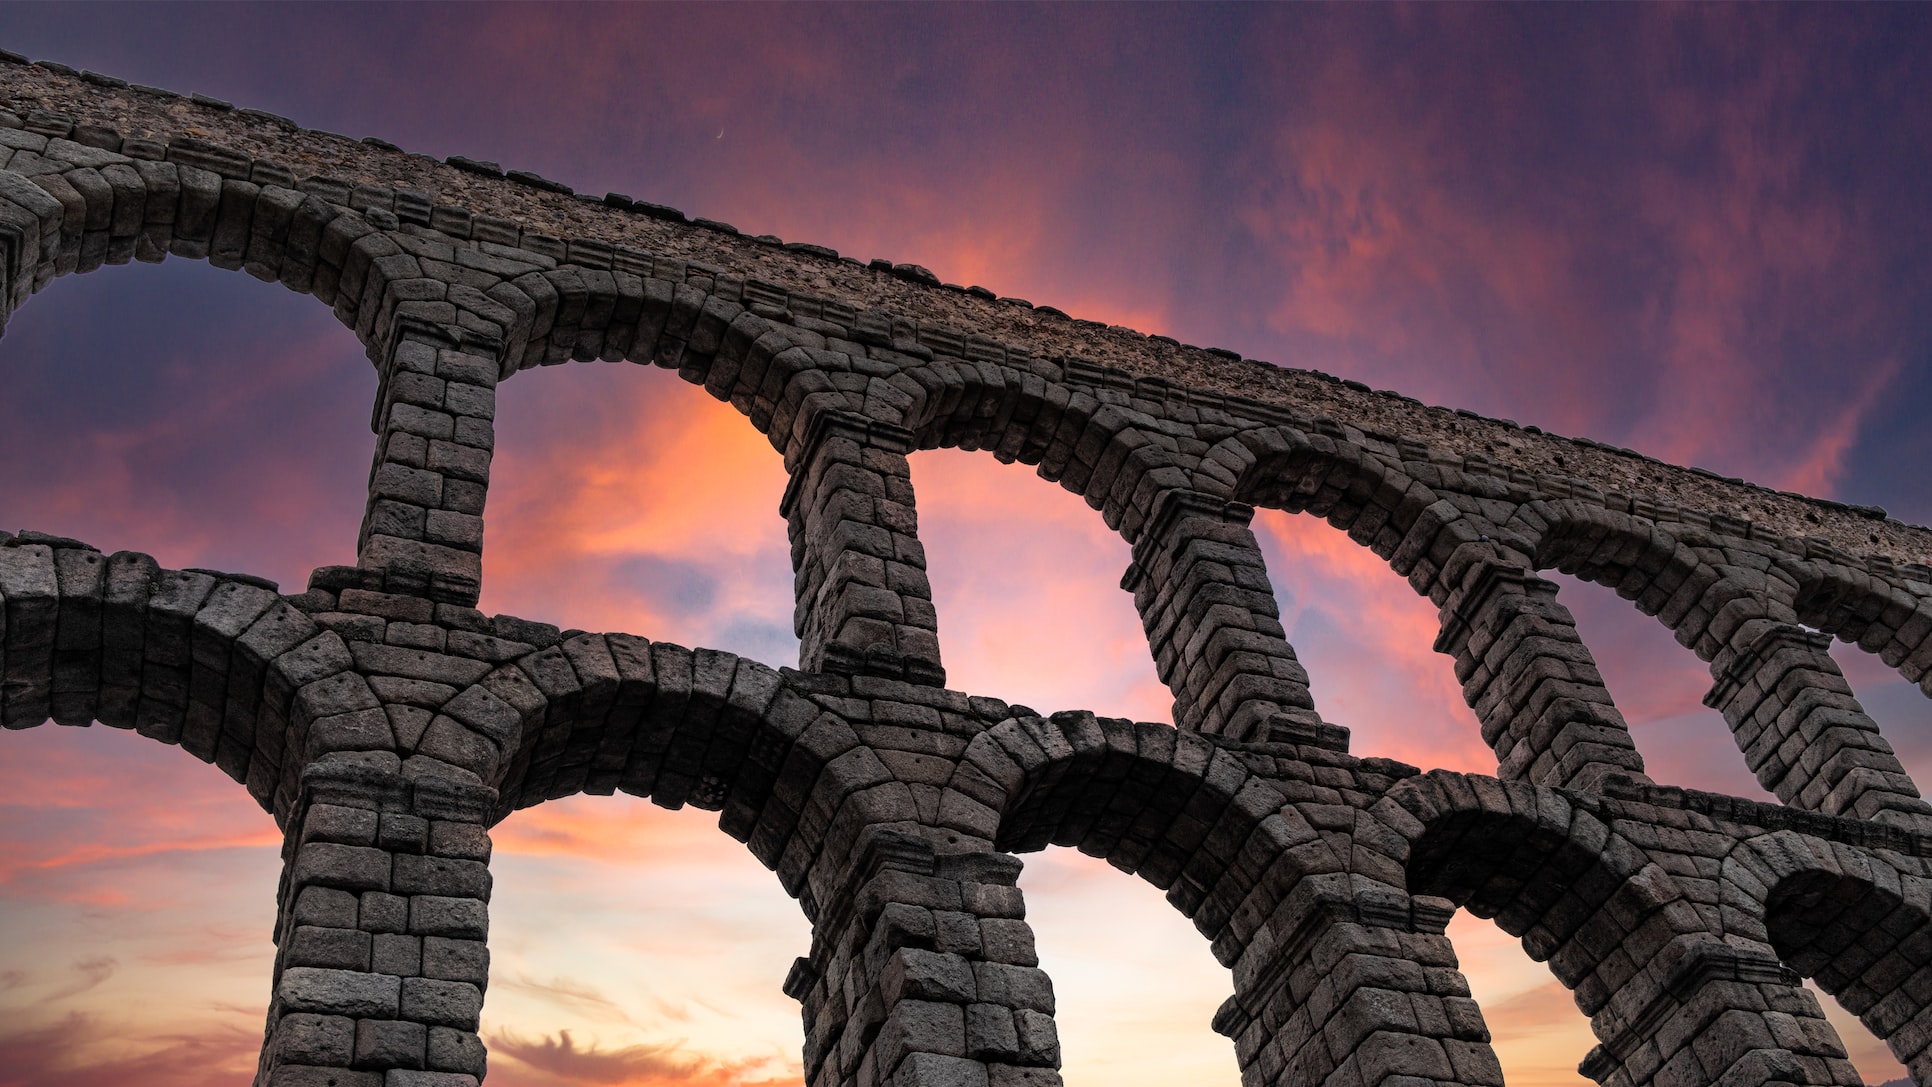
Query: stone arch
point(1642, 960)
point(1532, 683)
point(1486, 846)
point(380, 258)
point(203, 202)
point(775, 372)
point(1682, 578)
point(1278, 891)
point(1110, 452)
point(1863, 608)
point(218, 664)
point(1635, 557)
point(1671, 578)
point(1801, 730)
point(601, 713)
point(1376, 503)
point(1172, 807)
point(1856, 926)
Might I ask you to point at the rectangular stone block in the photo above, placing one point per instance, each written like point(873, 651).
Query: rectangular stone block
point(441, 876)
point(400, 955)
point(384, 912)
point(353, 868)
point(390, 1044)
point(336, 948)
point(338, 992)
point(456, 960)
point(327, 906)
point(915, 974)
point(453, 1050)
point(440, 1003)
point(307, 1038)
point(459, 841)
point(936, 1070)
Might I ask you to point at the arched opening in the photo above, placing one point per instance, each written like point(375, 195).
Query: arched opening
point(1365, 637)
point(1535, 1028)
point(1516, 886)
point(1659, 685)
point(1876, 1065)
point(1137, 994)
point(1861, 949)
point(1136, 986)
point(635, 945)
point(190, 413)
point(1900, 707)
point(213, 424)
point(1026, 580)
point(623, 499)
point(137, 897)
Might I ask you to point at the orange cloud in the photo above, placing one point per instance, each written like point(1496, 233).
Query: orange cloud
point(1663, 272)
point(613, 832)
point(1365, 638)
point(624, 499)
point(1026, 580)
point(663, 1064)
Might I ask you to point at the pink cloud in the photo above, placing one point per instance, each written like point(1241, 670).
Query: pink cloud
point(1366, 639)
point(69, 1051)
point(1398, 225)
point(554, 1059)
point(624, 499)
point(1026, 579)
point(101, 817)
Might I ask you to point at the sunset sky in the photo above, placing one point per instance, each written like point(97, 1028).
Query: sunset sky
point(1697, 231)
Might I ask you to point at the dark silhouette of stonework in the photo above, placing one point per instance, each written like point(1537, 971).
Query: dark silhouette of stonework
point(387, 724)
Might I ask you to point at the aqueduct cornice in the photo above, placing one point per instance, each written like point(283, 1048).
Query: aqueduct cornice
point(537, 208)
point(387, 723)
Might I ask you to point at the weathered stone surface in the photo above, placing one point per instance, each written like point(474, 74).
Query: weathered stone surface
point(387, 724)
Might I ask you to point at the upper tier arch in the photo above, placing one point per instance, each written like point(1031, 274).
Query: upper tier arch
point(387, 258)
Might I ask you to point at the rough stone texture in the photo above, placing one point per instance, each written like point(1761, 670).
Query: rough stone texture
point(387, 724)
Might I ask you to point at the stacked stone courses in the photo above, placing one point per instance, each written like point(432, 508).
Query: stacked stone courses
point(386, 724)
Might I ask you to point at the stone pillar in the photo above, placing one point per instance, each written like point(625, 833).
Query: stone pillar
point(1361, 988)
point(864, 605)
point(923, 974)
point(1694, 1010)
point(423, 532)
point(1215, 631)
point(1532, 682)
point(381, 960)
point(1803, 733)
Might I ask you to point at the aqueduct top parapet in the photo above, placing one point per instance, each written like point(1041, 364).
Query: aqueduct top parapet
point(549, 214)
point(387, 723)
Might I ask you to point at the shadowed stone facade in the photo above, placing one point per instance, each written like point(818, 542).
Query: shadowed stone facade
point(387, 724)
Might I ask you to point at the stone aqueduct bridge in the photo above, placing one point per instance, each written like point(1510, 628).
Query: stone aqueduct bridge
point(387, 724)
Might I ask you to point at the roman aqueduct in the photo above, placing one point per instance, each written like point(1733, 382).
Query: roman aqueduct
point(386, 723)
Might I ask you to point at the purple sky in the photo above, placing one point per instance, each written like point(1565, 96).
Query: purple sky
point(1697, 231)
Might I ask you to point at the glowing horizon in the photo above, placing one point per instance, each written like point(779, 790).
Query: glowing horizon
point(1694, 231)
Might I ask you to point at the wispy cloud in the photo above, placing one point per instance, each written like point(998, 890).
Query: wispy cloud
point(1695, 231)
point(85, 1051)
point(559, 1058)
point(89, 972)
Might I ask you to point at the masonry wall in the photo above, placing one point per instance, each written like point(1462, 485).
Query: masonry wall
point(386, 723)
